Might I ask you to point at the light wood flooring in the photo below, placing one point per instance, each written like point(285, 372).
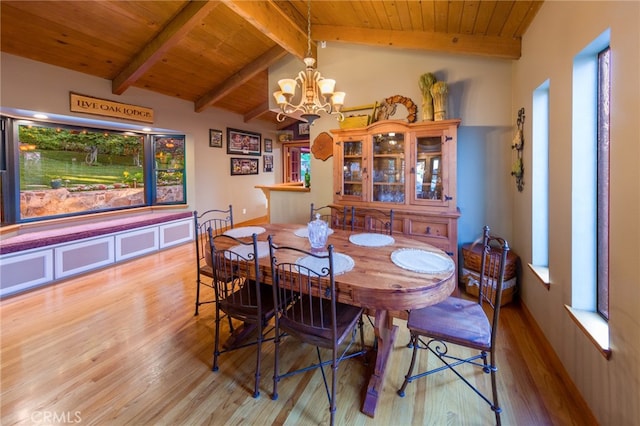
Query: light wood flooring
point(122, 346)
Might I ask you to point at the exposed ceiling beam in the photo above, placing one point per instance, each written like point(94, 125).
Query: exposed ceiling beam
point(276, 20)
point(257, 112)
point(190, 16)
point(491, 46)
point(260, 64)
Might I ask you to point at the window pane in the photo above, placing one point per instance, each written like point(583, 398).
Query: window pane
point(67, 170)
point(603, 182)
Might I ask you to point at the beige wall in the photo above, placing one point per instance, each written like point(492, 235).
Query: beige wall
point(479, 94)
point(30, 85)
point(559, 32)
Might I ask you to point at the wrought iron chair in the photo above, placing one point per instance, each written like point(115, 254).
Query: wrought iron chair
point(312, 314)
point(219, 221)
point(240, 294)
point(372, 220)
point(336, 217)
point(464, 322)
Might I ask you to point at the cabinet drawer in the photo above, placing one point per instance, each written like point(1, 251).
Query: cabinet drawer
point(428, 228)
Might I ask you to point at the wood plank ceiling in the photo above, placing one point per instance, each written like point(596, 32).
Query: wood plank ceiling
point(217, 53)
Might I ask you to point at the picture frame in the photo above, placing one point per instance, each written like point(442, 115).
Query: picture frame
point(243, 142)
point(303, 128)
point(268, 145)
point(215, 138)
point(244, 166)
point(285, 135)
point(267, 163)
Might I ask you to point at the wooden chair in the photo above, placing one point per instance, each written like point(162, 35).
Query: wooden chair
point(336, 217)
point(312, 314)
point(219, 221)
point(372, 220)
point(240, 294)
point(464, 322)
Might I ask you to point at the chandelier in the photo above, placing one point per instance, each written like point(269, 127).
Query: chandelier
point(317, 93)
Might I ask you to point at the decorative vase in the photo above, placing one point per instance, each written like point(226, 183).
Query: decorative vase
point(439, 91)
point(426, 82)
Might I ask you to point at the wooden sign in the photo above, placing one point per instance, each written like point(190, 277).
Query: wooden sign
point(106, 108)
point(322, 146)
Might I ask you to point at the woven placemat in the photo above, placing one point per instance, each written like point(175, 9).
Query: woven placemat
point(371, 240)
point(244, 250)
point(244, 231)
point(341, 263)
point(423, 261)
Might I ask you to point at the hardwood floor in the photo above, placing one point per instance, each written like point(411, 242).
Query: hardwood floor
point(121, 346)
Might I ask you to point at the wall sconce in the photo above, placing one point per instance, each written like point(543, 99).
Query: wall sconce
point(517, 168)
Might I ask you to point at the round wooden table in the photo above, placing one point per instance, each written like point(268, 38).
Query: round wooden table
point(375, 283)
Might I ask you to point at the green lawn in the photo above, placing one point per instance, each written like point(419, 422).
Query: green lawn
point(37, 172)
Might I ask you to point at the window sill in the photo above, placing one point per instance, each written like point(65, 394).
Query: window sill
point(542, 273)
point(594, 327)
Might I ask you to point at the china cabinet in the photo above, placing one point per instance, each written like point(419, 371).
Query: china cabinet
point(407, 167)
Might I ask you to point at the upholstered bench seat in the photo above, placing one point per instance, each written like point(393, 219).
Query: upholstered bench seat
point(31, 240)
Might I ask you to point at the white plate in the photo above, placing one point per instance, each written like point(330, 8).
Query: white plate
point(423, 261)
point(341, 263)
point(244, 231)
point(371, 240)
point(304, 232)
point(244, 250)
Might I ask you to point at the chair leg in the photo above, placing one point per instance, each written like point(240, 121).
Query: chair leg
point(276, 357)
point(334, 374)
point(413, 342)
point(216, 345)
point(494, 388)
point(256, 389)
point(197, 296)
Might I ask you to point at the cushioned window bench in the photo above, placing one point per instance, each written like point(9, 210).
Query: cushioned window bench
point(39, 257)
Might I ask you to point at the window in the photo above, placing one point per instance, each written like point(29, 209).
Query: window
point(604, 93)
point(590, 191)
point(540, 178)
point(62, 170)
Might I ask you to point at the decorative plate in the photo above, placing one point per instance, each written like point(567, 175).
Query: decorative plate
point(422, 261)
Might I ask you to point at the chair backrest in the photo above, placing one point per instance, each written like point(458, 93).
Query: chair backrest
point(335, 216)
point(372, 220)
point(218, 220)
point(236, 278)
point(492, 266)
point(308, 280)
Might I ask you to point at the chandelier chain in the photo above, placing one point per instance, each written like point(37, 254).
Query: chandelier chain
point(309, 28)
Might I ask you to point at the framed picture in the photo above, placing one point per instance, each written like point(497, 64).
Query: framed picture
point(267, 163)
point(244, 166)
point(303, 128)
point(215, 138)
point(285, 135)
point(268, 145)
point(243, 142)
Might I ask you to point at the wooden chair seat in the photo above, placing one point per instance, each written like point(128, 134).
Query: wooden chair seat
point(346, 318)
point(455, 320)
point(247, 311)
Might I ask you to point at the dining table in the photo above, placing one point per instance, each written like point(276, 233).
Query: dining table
point(386, 275)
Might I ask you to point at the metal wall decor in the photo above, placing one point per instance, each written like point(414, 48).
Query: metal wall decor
point(517, 168)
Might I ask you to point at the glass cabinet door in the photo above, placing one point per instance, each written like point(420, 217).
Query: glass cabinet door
point(388, 168)
point(428, 168)
point(353, 169)
point(168, 152)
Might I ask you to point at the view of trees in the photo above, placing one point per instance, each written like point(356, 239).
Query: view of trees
point(76, 158)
